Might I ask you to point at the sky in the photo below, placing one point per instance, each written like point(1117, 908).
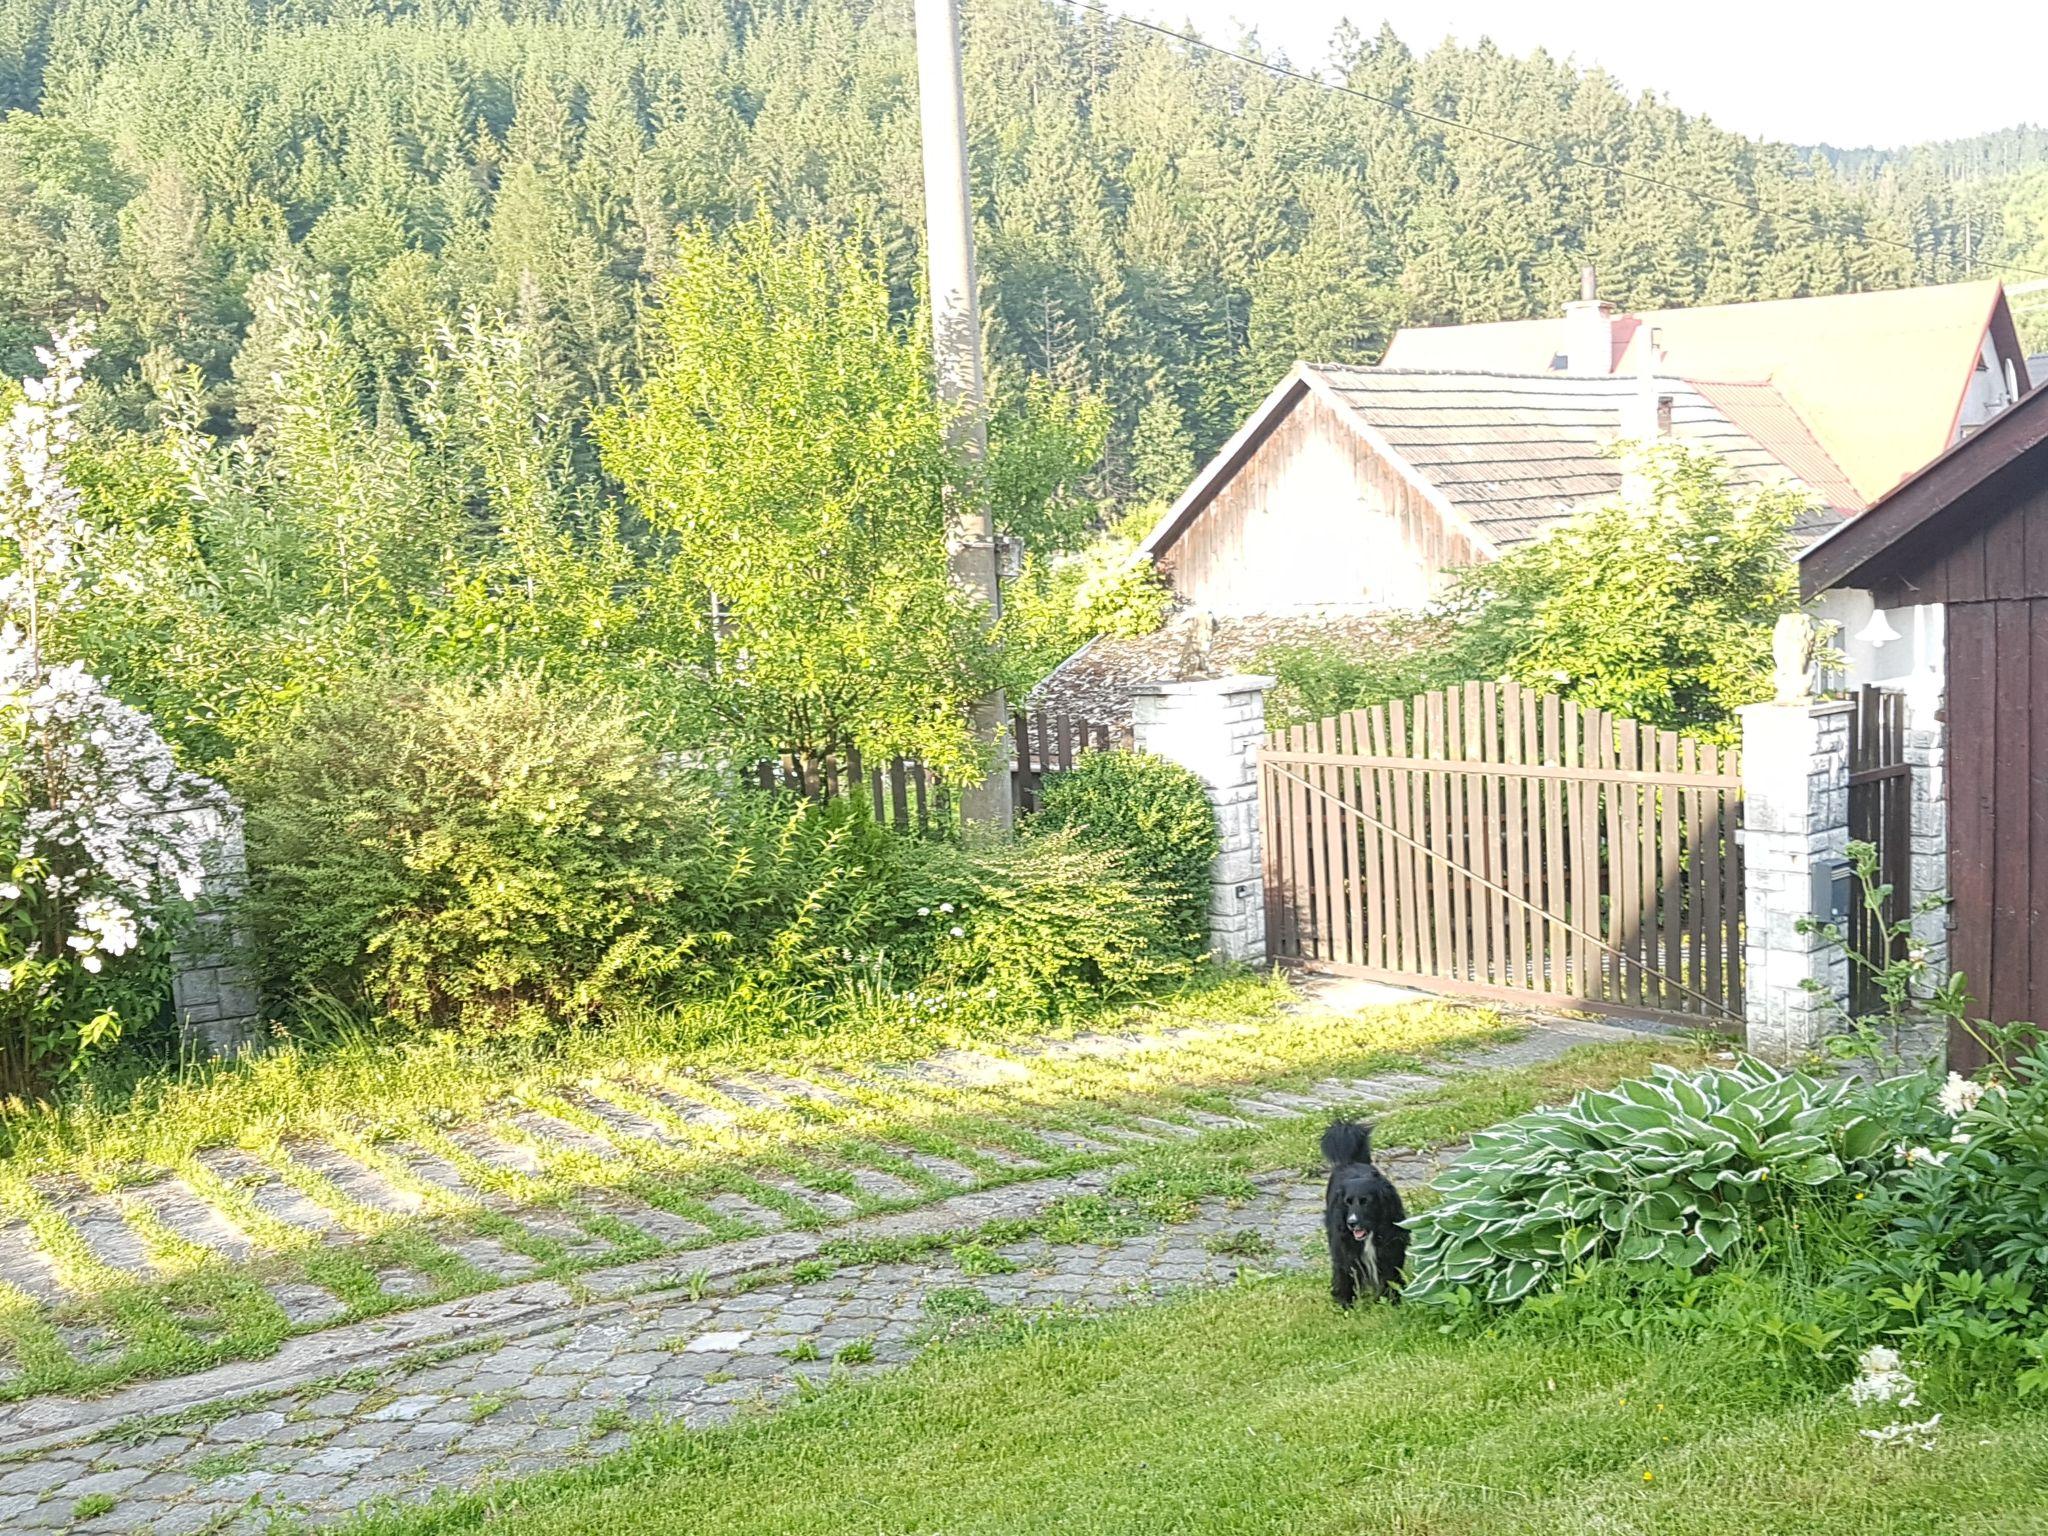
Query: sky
point(1845, 73)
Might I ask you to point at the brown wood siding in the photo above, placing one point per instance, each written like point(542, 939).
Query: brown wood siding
point(1980, 554)
point(1989, 565)
point(1314, 519)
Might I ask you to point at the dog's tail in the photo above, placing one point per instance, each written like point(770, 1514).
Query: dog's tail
point(1347, 1141)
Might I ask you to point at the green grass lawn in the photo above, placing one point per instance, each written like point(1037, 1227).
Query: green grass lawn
point(1263, 1409)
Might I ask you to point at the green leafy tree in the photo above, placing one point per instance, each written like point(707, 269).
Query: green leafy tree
point(788, 449)
point(1657, 605)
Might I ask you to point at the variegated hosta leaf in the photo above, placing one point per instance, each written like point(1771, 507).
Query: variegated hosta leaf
point(1665, 1170)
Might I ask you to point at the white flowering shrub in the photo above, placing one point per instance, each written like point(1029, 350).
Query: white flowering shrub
point(1959, 1264)
point(94, 861)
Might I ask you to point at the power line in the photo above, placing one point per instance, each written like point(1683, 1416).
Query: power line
point(1569, 161)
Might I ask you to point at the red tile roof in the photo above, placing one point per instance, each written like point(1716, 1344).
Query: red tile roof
point(1767, 416)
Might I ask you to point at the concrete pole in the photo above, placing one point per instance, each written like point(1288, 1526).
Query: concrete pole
point(956, 345)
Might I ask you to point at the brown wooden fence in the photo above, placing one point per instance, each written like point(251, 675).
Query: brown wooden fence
point(1042, 743)
point(1880, 813)
point(909, 797)
point(1497, 842)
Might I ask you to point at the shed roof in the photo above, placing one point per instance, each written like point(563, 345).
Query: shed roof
point(1095, 683)
point(1879, 378)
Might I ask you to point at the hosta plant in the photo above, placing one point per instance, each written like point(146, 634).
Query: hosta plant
point(1667, 1170)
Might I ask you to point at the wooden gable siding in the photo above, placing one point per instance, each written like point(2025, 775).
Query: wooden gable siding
point(1989, 565)
point(1992, 552)
point(1314, 519)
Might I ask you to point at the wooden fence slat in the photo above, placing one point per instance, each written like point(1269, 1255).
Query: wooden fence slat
point(1713, 831)
point(1556, 900)
point(1600, 834)
point(1692, 808)
point(1517, 837)
point(1731, 904)
point(1298, 871)
point(1670, 921)
point(1331, 910)
point(1365, 730)
point(1354, 846)
point(1494, 842)
point(1444, 946)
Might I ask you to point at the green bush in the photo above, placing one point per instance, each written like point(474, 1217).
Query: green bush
point(1043, 925)
point(1314, 682)
point(1671, 1171)
point(500, 858)
point(1154, 814)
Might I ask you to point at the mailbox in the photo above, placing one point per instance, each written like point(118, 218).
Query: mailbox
point(1834, 890)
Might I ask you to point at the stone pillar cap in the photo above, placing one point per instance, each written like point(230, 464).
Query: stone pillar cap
point(1241, 682)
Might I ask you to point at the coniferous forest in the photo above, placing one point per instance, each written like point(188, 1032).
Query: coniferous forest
point(1160, 228)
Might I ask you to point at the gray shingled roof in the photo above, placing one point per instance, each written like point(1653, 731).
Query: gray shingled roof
point(1516, 453)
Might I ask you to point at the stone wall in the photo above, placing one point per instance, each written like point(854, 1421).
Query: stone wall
point(1213, 727)
point(213, 994)
point(1795, 781)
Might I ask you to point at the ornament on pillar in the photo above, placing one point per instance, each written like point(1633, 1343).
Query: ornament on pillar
point(1795, 652)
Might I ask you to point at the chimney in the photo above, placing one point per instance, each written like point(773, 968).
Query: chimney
point(1589, 329)
point(1647, 416)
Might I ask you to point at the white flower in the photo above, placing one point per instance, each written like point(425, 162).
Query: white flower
point(1882, 1379)
point(92, 963)
point(9, 891)
point(945, 906)
point(6, 980)
point(957, 932)
point(1959, 1095)
point(1919, 1437)
point(1911, 1155)
point(924, 911)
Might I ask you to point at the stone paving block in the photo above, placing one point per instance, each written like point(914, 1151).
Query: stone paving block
point(739, 1208)
point(270, 1194)
point(497, 1153)
point(553, 1132)
point(98, 1221)
point(944, 1169)
point(877, 1185)
point(181, 1208)
point(359, 1182)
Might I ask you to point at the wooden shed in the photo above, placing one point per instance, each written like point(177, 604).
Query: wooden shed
point(1970, 533)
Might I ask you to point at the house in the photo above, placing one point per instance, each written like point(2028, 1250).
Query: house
point(1884, 381)
point(1953, 564)
point(1354, 489)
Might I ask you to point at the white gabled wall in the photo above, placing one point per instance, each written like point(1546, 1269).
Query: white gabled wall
point(1314, 522)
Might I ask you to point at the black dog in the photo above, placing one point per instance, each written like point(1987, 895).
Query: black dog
point(1362, 1216)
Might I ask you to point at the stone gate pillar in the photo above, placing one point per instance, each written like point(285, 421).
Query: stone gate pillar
point(213, 993)
point(1212, 726)
point(1795, 790)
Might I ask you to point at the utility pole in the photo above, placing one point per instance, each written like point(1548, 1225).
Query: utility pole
point(971, 547)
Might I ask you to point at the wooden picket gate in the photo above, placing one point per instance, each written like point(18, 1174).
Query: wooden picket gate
point(1492, 841)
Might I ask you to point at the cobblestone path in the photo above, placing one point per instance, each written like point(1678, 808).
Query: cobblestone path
point(552, 1371)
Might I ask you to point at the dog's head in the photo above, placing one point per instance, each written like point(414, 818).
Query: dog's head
point(1356, 1198)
